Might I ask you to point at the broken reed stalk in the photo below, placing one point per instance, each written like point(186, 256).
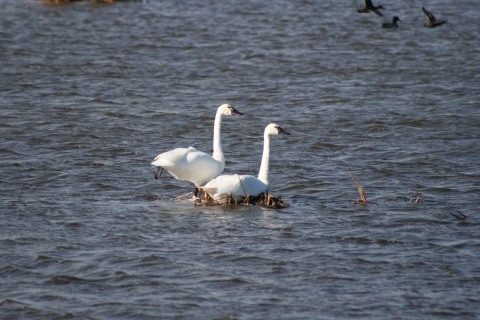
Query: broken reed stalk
point(231, 200)
point(182, 196)
point(419, 197)
point(360, 190)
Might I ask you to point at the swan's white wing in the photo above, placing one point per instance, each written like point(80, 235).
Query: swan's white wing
point(170, 157)
point(235, 185)
point(253, 186)
point(189, 165)
point(198, 167)
point(223, 186)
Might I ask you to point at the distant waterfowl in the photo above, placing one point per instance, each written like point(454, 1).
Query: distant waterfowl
point(240, 186)
point(432, 22)
point(391, 25)
point(188, 164)
point(369, 7)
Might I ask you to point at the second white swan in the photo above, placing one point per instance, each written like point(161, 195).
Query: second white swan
point(240, 186)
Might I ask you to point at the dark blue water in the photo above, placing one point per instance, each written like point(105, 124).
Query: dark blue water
point(90, 93)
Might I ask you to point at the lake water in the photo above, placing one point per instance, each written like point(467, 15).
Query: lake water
point(91, 93)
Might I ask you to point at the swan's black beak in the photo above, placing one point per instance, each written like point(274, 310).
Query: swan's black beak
point(281, 131)
point(235, 112)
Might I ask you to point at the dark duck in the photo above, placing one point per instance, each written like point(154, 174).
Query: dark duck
point(392, 25)
point(369, 7)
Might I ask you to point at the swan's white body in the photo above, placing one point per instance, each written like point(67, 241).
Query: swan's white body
point(223, 186)
point(240, 186)
point(189, 164)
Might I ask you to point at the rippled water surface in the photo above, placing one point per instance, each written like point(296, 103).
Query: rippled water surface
point(91, 93)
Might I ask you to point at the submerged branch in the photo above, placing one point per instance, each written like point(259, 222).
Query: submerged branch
point(460, 216)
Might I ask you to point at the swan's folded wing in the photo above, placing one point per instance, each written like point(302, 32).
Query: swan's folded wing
point(254, 186)
point(168, 158)
point(222, 186)
point(236, 185)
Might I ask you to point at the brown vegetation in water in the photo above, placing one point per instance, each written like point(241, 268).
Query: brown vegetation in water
point(263, 200)
point(360, 190)
point(419, 198)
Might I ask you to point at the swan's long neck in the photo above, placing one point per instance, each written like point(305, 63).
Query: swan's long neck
point(264, 173)
point(217, 143)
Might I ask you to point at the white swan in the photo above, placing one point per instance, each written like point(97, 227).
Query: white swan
point(194, 166)
point(240, 185)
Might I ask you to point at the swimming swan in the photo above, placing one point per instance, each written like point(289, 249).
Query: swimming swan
point(189, 164)
point(226, 185)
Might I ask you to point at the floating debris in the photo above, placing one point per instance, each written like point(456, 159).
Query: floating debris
point(410, 200)
point(150, 197)
point(419, 197)
point(460, 216)
point(183, 196)
point(398, 198)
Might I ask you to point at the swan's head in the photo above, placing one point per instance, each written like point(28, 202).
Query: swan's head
point(228, 110)
point(274, 128)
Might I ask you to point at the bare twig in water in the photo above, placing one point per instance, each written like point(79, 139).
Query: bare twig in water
point(360, 190)
point(460, 216)
point(182, 196)
point(419, 197)
point(207, 197)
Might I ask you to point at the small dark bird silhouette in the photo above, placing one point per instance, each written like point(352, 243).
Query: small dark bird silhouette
point(391, 25)
point(369, 7)
point(432, 22)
